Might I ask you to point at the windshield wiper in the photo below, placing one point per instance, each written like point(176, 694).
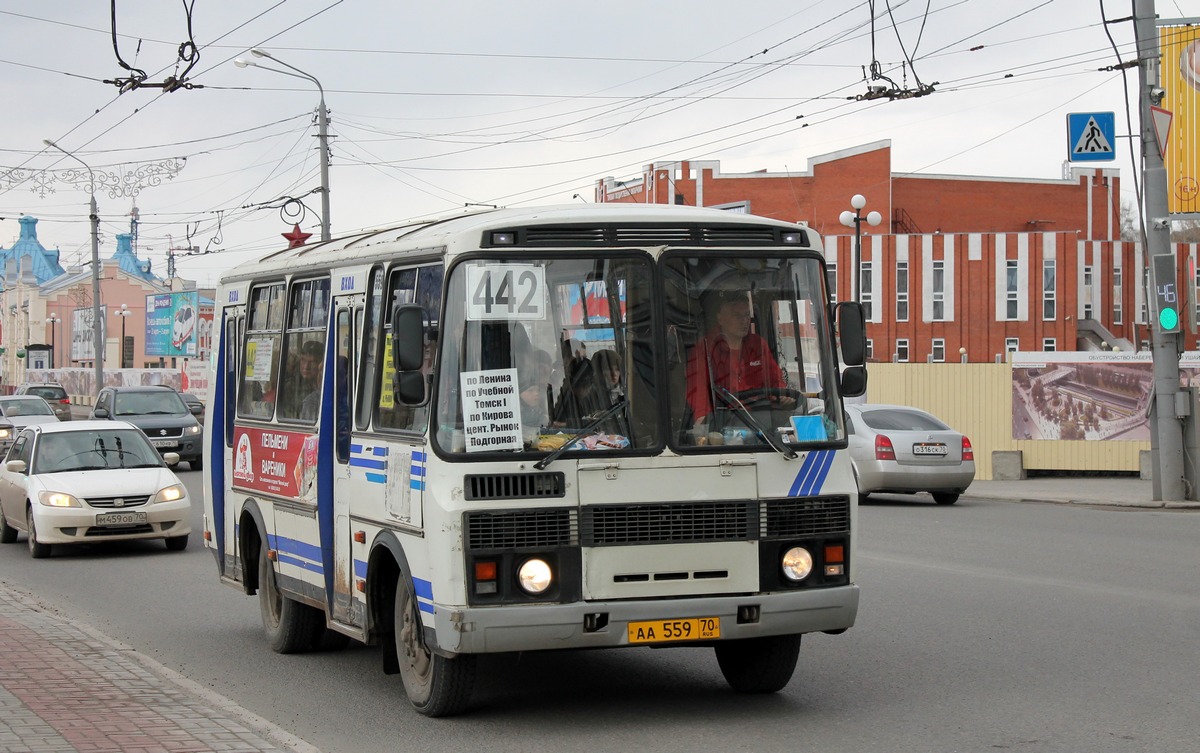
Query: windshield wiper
point(616, 408)
point(731, 400)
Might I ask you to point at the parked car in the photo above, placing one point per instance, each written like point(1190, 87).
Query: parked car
point(90, 481)
point(26, 410)
point(53, 393)
point(898, 449)
point(169, 424)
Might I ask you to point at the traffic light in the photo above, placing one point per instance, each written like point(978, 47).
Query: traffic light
point(1166, 293)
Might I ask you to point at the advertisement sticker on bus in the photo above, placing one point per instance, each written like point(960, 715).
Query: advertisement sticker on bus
point(491, 410)
point(274, 461)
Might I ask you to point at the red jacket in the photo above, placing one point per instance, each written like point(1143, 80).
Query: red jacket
point(753, 368)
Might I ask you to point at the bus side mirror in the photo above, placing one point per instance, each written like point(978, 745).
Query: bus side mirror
point(408, 337)
point(854, 381)
point(852, 332)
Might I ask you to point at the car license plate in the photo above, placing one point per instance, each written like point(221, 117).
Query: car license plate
point(165, 443)
point(120, 518)
point(929, 448)
point(690, 629)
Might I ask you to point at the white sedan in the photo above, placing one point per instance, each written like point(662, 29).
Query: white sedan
point(898, 449)
point(87, 482)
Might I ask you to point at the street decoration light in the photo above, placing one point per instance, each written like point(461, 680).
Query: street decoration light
point(94, 216)
point(53, 320)
point(322, 124)
point(124, 313)
point(855, 220)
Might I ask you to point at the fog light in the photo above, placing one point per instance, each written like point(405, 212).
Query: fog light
point(534, 576)
point(797, 563)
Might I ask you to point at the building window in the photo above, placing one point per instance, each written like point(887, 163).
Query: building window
point(1049, 290)
point(1118, 316)
point(939, 350)
point(1087, 292)
point(864, 286)
point(1010, 288)
point(1012, 344)
point(902, 291)
point(939, 291)
point(1049, 344)
point(831, 280)
point(902, 351)
point(870, 349)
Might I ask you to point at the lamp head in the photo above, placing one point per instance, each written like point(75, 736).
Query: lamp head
point(240, 63)
point(874, 218)
point(858, 201)
point(260, 53)
point(847, 218)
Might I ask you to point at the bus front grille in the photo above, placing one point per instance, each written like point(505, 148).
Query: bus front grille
point(805, 517)
point(514, 486)
point(682, 522)
point(521, 529)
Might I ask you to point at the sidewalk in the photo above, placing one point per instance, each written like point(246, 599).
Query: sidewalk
point(65, 688)
point(1119, 491)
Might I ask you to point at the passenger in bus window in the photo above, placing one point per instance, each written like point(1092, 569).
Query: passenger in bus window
point(302, 394)
point(535, 388)
point(733, 357)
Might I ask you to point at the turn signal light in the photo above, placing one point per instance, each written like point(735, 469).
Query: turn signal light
point(968, 453)
point(485, 577)
point(883, 448)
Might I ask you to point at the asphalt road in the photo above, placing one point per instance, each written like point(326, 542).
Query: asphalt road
point(984, 626)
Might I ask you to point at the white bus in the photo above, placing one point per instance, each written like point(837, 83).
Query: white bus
point(517, 430)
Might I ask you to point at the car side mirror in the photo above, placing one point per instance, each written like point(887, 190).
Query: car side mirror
point(171, 458)
point(15, 466)
point(100, 413)
point(196, 409)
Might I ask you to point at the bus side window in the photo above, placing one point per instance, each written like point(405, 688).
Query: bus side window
point(260, 359)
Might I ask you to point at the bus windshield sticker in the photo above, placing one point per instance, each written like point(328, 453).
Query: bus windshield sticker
point(506, 291)
point(491, 410)
point(258, 359)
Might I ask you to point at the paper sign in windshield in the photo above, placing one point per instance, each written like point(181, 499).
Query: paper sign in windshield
point(491, 410)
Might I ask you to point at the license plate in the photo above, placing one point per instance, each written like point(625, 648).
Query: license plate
point(120, 518)
point(929, 448)
point(690, 629)
point(168, 443)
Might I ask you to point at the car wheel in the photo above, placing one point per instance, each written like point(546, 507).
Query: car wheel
point(945, 498)
point(197, 464)
point(435, 685)
point(8, 534)
point(759, 665)
point(177, 543)
point(37, 549)
point(291, 627)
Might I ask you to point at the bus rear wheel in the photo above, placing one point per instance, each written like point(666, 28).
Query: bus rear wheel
point(435, 685)
point(759, 665)
point(291, 627)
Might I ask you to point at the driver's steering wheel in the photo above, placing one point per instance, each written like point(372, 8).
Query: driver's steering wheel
point(762, 397)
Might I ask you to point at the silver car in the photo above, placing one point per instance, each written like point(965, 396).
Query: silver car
point(898, 449)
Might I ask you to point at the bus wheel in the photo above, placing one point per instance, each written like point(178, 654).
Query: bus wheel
point(436, 685)
point(759, 665)
point(291, 627)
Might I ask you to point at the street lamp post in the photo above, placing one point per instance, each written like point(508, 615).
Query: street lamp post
point(855, 220)
point(53, 320)
point(124, 313)
point(322, 125)
point(97, 334)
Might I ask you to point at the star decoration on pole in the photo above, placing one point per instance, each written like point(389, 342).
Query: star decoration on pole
point(297, 237)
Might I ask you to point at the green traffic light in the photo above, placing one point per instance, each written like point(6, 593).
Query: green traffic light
point(1168, 319)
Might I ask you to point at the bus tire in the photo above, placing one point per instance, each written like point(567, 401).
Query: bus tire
point(435, 685)
point(291, 627)
point(759, 665)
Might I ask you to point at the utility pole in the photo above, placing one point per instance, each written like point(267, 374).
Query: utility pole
point(1170, 404)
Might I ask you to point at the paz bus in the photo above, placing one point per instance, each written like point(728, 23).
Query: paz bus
point(461, 472)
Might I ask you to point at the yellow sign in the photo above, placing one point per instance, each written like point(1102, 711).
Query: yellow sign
point(1180, 65)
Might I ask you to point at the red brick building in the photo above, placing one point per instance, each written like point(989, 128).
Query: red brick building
point(961, 265)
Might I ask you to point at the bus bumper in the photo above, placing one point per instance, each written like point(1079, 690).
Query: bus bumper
point(477, 630)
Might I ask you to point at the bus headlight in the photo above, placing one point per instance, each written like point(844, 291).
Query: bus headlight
point(535, 576)
point(797, 563)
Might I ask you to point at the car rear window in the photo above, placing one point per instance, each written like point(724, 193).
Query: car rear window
point(901, 420)
point(50, 393)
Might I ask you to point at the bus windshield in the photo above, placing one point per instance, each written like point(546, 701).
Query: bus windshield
point(541, 353)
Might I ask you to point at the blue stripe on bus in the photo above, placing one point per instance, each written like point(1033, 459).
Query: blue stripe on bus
point(377, 478)
point(425, 606)
point(416, 483)
point(355, 447)
point(312, 567)
point(381, 451)
point(811, 476)
point(360, 569)
point(294, 546)
point(418, 470)
point(418, 456)
point(423, 589)
point(356, 462)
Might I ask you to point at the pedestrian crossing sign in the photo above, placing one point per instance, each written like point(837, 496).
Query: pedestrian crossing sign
point(1091, 137)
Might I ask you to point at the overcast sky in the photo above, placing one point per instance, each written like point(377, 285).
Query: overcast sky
point(437, 105)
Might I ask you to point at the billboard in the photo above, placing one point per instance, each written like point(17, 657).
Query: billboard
point(1180, 73)
point(83, 342)
point(172, 324)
